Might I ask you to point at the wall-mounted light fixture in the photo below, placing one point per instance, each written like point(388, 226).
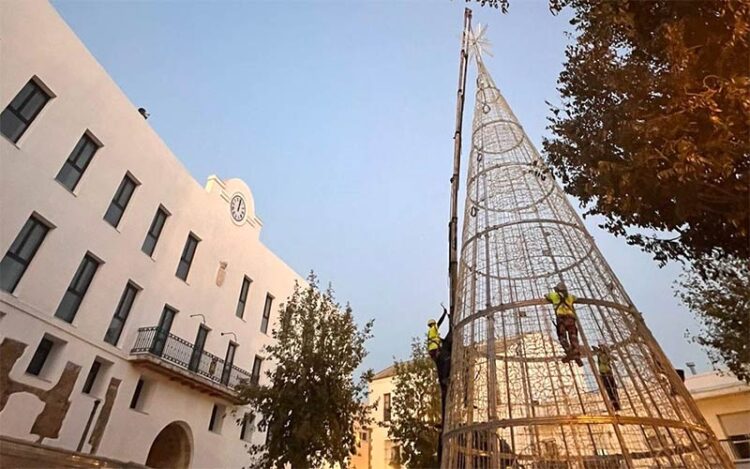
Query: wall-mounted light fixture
point(203, 318)
point(228, 333)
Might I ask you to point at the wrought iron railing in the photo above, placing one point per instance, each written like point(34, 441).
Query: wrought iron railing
point(180, 352)
point(738, 450)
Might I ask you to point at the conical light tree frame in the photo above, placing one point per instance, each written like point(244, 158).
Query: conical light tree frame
point(513, 402)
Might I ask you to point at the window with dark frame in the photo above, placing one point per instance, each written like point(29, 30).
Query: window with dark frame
point(120, 200)
point(135, 400)
point(91, 377)
point(228, 363)
point(112, 336)
point(21, 253)
point(255, 375)
point(212, 422)
point(74, 167)
point(186, 259)
point(266, 314)
point(242, 302)
point(40, 356)
point(387, 407)
point(162, 330)
point(246, 429)
point(76, 291)
point(152, 237)
point(198, 346)
point(22, 110)
point(740, 446)
point(217, 418)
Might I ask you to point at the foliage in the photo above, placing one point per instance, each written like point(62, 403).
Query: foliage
point(415, 416)
point(310, 407)
point(717, 290)
point(653, 128)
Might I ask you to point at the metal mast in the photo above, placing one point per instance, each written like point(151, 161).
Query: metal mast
point(453, 223)
point(512, 401)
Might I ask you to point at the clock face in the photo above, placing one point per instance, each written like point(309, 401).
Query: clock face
point(238, 208)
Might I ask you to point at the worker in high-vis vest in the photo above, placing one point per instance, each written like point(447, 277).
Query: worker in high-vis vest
point(565, 321)
point(433, 336)
point(604, 363)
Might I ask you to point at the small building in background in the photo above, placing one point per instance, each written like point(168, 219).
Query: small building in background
point(724, 401)
point(384, 452)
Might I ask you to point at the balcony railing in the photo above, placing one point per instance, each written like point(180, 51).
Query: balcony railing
point(177, 351)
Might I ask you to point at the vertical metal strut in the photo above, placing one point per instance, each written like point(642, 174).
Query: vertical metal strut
point(453, 223)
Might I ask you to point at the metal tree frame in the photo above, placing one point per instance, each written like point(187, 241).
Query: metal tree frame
point(512, 401)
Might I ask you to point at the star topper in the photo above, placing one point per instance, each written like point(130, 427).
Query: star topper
point(478, 42)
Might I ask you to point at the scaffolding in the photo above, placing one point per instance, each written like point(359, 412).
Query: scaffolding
point(513, 401)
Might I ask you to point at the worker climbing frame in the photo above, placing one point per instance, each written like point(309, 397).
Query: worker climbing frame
point(515, 399)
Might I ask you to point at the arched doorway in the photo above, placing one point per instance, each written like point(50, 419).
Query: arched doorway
point(171, 448)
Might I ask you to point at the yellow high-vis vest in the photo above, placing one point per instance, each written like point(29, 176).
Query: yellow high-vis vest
point(433, 338)
point(562, 308)
point(604, 362)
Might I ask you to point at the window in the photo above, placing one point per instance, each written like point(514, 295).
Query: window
point(737, 428)
point(243, 297)
point(266, 314)
point(77, 290)
point(363, 436)
point(246, 428)
point(121, 314)
point(21, 252)
point(217, 418)
point(162, 330)
point(152, 237)
point(740, 446)
point(120, 200)
point(393, 454)
point(186, 259)
point(255, 375)
point(136, 402)
point(228, 363)
point(40, 356)
point(387, 407)
point(91, 378)
point(22, 111)
point(77, 162)
point(200, 343)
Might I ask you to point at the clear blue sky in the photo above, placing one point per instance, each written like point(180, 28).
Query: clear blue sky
point(339, 116)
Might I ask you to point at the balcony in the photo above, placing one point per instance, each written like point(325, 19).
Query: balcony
point(738, 450)
point(181, 361)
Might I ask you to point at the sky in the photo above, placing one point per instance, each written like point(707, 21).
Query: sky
point(339, 115)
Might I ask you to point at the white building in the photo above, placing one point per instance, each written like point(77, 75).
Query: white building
point(385, 453)
point(125, 286)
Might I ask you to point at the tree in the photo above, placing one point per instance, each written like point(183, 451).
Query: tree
point(312, 402)
point(652, 132)
point(717, 290)
point(415, 419)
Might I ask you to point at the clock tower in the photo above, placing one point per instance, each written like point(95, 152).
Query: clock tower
point(236, 201)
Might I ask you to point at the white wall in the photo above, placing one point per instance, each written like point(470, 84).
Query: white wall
point(36, 42)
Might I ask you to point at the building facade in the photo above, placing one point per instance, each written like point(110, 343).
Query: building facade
point(725, 403)
point(385, 453)
point(132, 299)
